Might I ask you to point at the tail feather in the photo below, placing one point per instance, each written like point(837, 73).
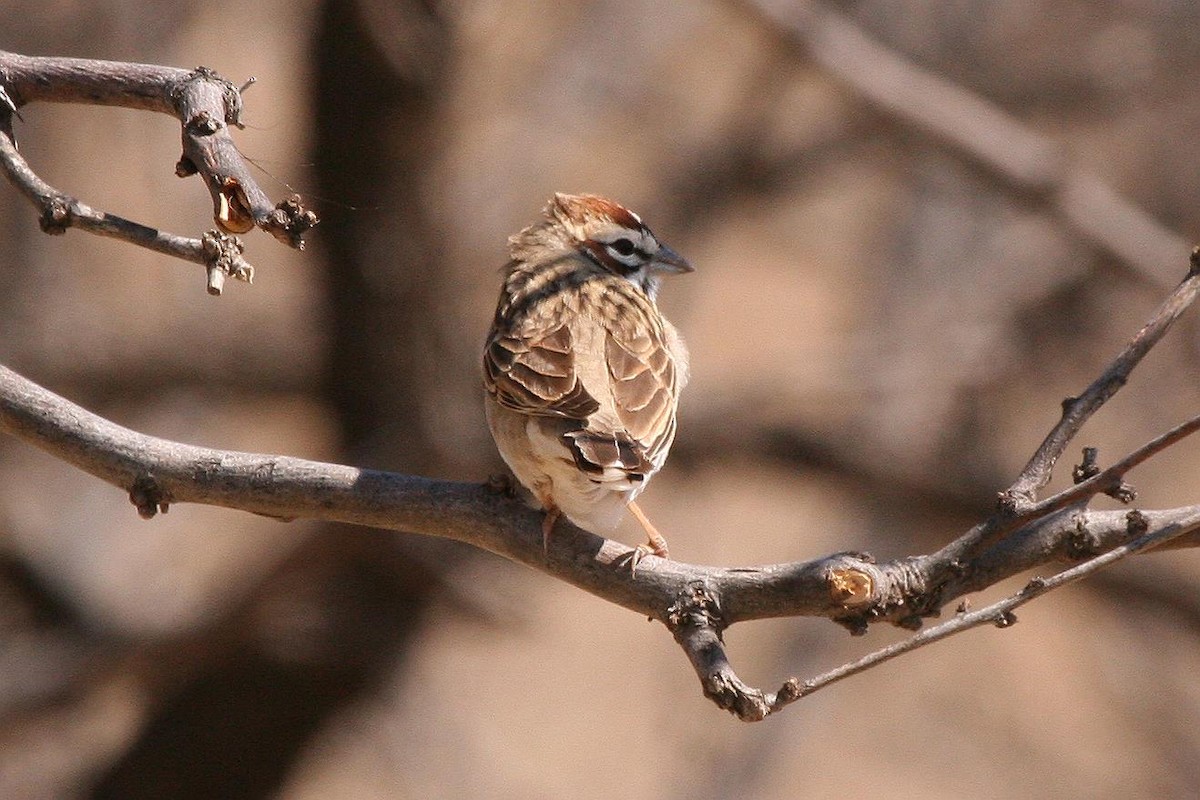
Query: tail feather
point(608, 457)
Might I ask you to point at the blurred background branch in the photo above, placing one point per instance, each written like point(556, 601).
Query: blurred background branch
point(1026, 161)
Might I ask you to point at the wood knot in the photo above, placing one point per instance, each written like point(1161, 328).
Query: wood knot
point(56, 215)
point(696, 606)
point(203, 124)
point(1011, 503)
point(1005, 619)
point(148, 496)
point(1136, 523)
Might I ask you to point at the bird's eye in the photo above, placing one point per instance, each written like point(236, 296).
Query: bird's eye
point(623, 246)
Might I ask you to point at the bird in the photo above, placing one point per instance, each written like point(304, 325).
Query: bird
point(581, 371)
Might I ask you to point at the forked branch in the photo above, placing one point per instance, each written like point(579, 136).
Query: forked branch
point(1018, 505)
point(1077, 410)
point(1169, 527)
point(204, 103)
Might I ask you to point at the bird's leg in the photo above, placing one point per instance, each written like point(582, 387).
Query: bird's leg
point(655, 544)
point(548, 521)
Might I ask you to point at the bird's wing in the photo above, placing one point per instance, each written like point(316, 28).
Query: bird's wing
point(645, 387)
point(629, 436)
point(531, 370)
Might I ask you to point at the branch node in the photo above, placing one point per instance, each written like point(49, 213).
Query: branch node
point(1087, 468)
point(1136, 523)
point(1005, 619)
point(1081, 544)
point(1010, 503)
point(202, 124)
point(1194, 262)
point(230, 96)
point(696, 606)
point(1122, 492)
point(148, 496)
point(788, 693)
point(289, 222)
point(185, 167)
point(223, 256)
point(56, 215)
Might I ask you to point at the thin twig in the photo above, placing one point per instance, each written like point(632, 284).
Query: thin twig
point(1110, 478)
point(1017, 504)
point(1100, 483)
point(1078, 410)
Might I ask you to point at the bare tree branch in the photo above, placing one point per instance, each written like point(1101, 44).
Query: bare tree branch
point(204, 103)
point(695, 602)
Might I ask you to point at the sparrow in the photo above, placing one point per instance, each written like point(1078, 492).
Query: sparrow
point(581, 371)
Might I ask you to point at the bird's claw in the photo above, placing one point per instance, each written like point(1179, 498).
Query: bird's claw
point(641, 551)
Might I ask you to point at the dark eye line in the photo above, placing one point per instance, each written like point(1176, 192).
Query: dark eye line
point(603, 253)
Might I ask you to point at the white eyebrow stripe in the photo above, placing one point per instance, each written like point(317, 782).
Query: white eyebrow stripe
point(636, 258)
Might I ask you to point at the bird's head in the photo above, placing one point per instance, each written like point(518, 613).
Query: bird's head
point(616, 239)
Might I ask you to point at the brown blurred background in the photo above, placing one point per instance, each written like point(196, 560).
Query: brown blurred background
point(882, 327)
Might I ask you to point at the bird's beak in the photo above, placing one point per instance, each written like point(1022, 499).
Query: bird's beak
point(667, 260)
